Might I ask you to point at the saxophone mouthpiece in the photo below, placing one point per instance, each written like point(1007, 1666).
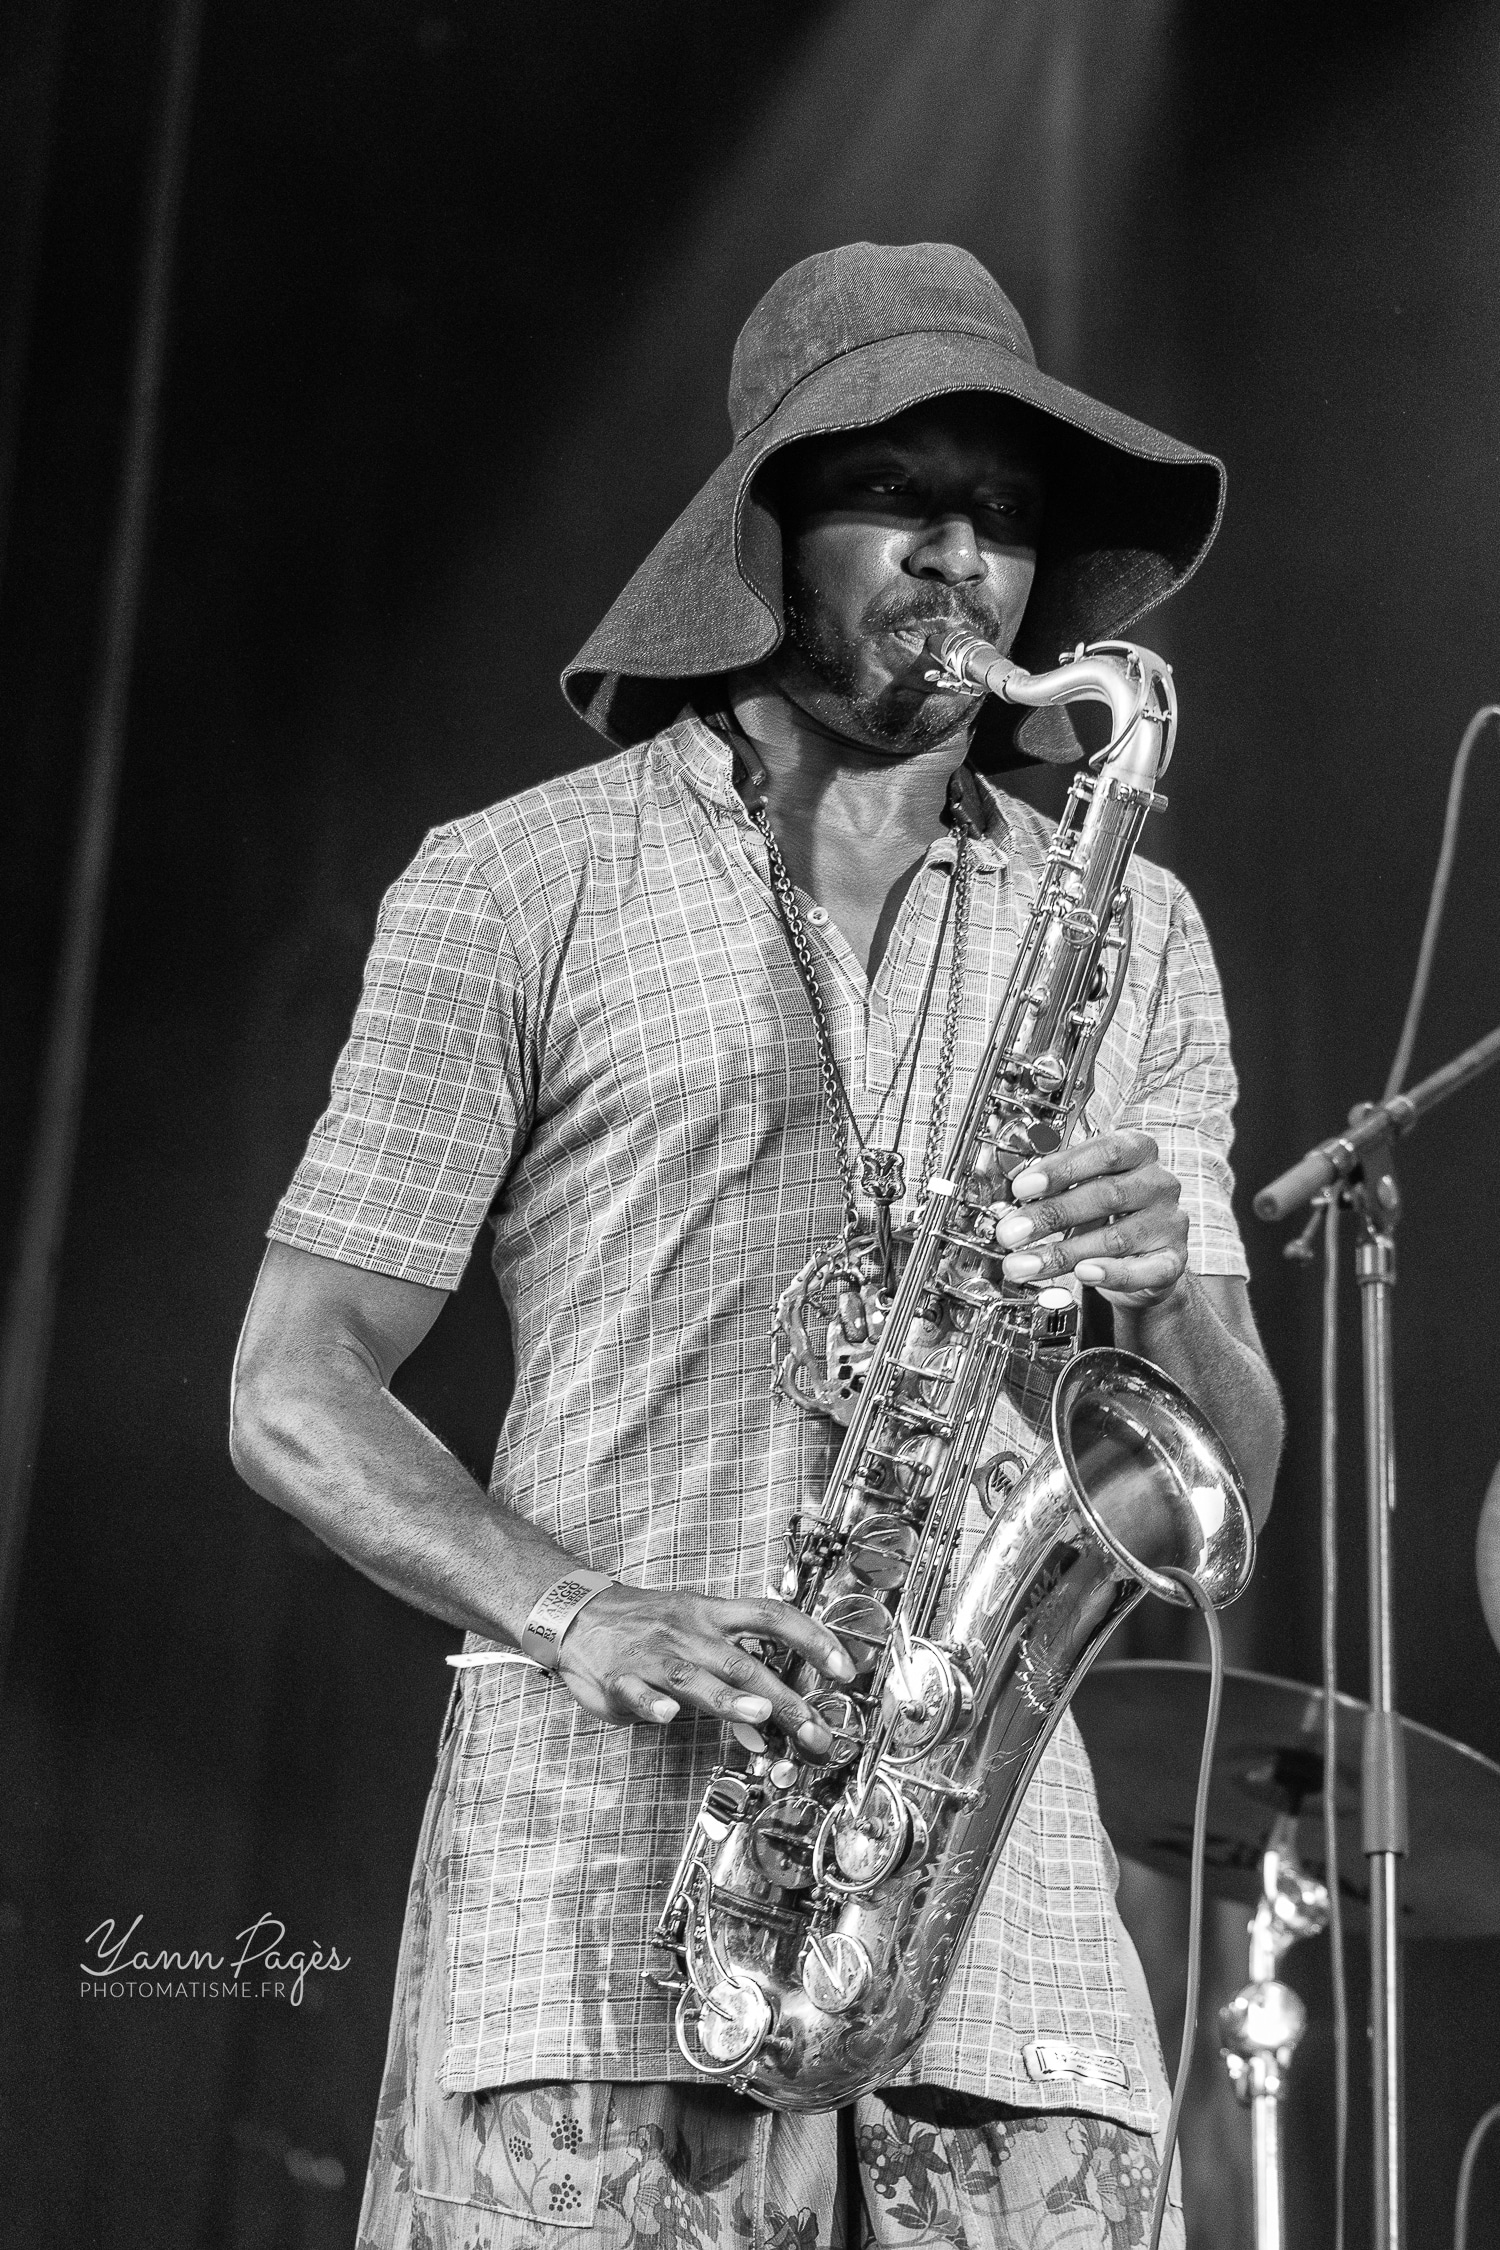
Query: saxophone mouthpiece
point(964, 664)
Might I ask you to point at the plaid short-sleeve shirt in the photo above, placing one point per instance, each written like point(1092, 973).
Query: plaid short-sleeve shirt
point(581, 1017)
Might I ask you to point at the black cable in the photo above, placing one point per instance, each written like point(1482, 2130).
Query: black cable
point(1466, 2177)
point(1326, 1214)
point(1437, 901)
point(1189, 1583)
point(1330, 1707)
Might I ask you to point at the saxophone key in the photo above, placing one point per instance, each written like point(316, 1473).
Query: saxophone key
point(868, 1839)
point(835, 1970)
point(782, 1839)
point(732, 2023)
point(881, 1548)
point(899, 1466)
point(863, 1625)
point(926, 1700)
point(839, 1713)
point(729, 1797)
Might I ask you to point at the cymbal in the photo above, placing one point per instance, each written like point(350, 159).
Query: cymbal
point(1143, 1723)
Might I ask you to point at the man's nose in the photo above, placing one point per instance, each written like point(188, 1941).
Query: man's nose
point(948, 550)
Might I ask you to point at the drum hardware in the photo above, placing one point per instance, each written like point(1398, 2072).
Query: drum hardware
point(1141, 1722)
point(1263, 2024)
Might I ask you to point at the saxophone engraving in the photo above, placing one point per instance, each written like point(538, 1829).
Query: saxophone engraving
point(818, 1908)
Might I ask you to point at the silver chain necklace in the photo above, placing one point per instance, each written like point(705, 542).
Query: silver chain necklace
point(882, 1173)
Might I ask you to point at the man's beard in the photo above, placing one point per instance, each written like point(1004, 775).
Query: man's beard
point(893, 715)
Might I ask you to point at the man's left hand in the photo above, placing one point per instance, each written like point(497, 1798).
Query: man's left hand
point(1118, 1212)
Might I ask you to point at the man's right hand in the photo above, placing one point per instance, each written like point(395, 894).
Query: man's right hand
point(632, 1655)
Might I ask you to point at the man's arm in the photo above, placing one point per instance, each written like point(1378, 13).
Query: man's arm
point(1204, 1336)
point(314, 1428)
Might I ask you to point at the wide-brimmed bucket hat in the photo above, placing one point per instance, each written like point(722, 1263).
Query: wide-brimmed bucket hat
point(844, 340)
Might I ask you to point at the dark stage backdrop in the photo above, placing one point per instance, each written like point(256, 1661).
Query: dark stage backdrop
point(457, 290)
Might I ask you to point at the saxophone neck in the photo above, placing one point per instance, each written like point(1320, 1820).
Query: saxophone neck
point(1133, 683)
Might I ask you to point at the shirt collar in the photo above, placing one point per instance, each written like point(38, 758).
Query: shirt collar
point(706, 762)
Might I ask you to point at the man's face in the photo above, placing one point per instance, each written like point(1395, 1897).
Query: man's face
point(924, 522)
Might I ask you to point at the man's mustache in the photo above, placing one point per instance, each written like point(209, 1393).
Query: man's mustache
point(954, 612)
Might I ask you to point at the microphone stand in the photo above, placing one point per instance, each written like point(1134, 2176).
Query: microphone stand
point(1359, 1165)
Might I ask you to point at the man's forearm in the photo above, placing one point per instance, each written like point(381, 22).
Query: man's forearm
point(314, 1428)
point(1223, 1373)
point(336, 1450)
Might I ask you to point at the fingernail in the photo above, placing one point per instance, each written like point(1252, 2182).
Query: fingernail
point(1022, 1265)
point(1089, 1269)
point(840, 1664)
point(663, 1710)
point(1014, 1229)
point(1029, 1183)
point(752, 1707)
point(813, 1737)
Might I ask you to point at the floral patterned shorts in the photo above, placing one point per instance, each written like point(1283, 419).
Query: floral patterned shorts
point(688, 2167)
point(671, 2167)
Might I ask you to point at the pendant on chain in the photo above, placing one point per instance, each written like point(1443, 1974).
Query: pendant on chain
point(829, 1319)
point(882, 1174)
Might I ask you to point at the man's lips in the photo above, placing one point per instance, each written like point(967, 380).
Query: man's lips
point(912, 636)
point(914, 633)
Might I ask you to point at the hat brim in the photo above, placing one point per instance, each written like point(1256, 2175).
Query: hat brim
point(1130, 514)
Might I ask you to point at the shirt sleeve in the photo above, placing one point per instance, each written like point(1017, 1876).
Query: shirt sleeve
point(1185, 1089)
point(434, 1093)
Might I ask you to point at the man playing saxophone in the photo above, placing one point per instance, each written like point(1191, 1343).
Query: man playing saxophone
point(673, 1023)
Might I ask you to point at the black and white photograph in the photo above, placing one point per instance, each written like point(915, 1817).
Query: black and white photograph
point(749, 1386)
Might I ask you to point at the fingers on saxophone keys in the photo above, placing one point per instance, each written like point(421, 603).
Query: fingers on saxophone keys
point(783, 1621)
point(761, 1695)
point(703, 1687)
point(1052, 1255)
point(1151, 1276)
point(637, 1699)
point(729, 1685)
point(1039, 1263)
point(1125, 1151)
point(1110, 1198)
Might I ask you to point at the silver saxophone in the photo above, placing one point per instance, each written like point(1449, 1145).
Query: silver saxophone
point(819, 1907)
